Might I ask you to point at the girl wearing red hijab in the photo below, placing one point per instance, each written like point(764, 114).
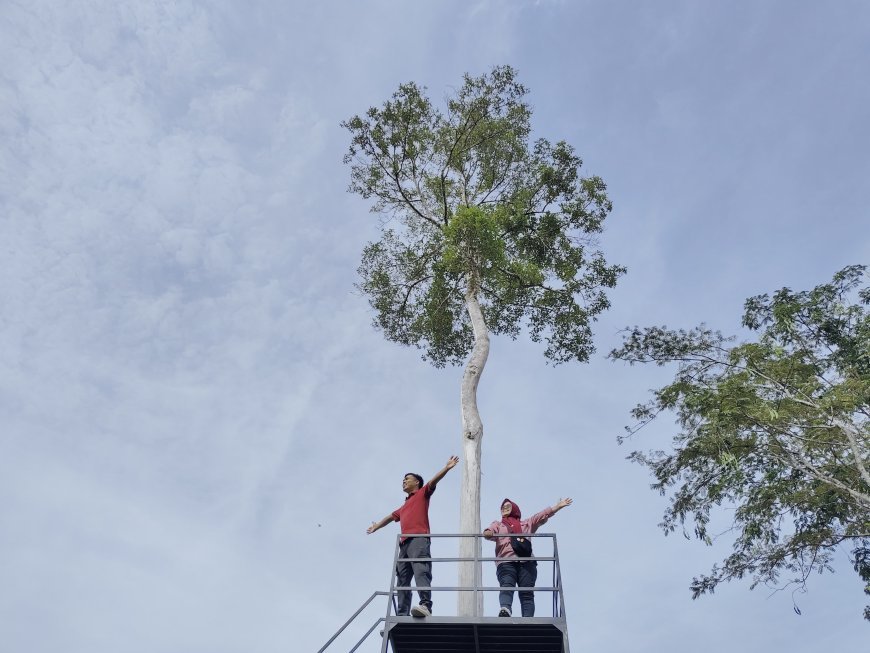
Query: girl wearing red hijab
point(511, 571)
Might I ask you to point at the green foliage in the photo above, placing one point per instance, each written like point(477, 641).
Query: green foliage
point(471, 205)
point(474, 242)
point(777, 428)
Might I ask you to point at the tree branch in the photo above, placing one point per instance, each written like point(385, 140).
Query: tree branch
point(850, 431)
point(394, 175)
point(410, 290)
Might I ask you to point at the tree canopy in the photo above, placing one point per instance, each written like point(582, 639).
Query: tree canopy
point(777, 428)
point(471, 203)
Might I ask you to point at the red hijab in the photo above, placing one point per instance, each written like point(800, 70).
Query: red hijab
point(512, 521)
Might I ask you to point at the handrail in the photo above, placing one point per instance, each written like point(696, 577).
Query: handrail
point(477, 535)
point(368, 632)
point(555, 588)
point(354, 616)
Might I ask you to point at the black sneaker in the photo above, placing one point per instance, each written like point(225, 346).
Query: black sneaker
point(504, 612)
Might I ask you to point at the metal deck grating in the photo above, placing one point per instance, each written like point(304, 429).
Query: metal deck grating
point(476, 635)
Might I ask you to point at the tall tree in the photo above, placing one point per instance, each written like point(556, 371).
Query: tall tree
point(777, 428)
point(483, 228)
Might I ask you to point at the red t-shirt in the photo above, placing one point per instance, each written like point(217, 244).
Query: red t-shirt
point(413, 515)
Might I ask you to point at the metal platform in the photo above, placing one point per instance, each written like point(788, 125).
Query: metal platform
point(470, 634)
point(476, 635)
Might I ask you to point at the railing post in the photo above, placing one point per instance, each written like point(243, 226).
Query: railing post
point(477, 575)
point(558, 571)
point(386, 639)
point(555, 596)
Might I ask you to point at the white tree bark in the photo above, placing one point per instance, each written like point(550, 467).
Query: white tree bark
point(472, 433)
point(852, 434)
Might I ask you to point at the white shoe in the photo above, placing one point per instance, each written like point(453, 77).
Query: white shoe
point(420, 611)
point(504, 612)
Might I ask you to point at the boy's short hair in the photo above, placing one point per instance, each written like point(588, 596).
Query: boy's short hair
point(418, 477)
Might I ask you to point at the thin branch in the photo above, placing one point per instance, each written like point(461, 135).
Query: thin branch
point(410, 290)
point(813, 471)
point(528, 285)
point(849, 431)
point(698, 358)
point(395, 177)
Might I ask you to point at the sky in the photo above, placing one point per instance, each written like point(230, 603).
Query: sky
point(198, 420)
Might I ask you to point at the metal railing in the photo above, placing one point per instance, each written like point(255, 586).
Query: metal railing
point(555, 588)
point(352, 617)
point(558, 596)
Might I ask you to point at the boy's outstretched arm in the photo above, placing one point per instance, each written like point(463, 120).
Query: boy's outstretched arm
point(451, 463)
point(380, 524)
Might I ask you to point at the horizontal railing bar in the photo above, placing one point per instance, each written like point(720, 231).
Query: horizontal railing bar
point(479, 589)
point(493, 536)
point(542, 559)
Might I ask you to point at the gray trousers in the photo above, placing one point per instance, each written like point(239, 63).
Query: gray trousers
point(413, 547)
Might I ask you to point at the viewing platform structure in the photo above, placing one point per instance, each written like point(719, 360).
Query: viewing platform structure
point(477, 633)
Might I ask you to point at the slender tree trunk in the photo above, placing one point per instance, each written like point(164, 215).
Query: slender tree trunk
point(472, 433)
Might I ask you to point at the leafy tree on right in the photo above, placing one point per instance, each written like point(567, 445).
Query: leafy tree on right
point(777, 428)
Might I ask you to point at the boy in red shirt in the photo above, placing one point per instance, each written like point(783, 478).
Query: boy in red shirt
point(413, 518)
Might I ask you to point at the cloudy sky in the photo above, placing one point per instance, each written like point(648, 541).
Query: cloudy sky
point(197, 420)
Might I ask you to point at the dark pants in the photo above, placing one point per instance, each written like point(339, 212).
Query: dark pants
point(517, 574)
point(413, 547)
